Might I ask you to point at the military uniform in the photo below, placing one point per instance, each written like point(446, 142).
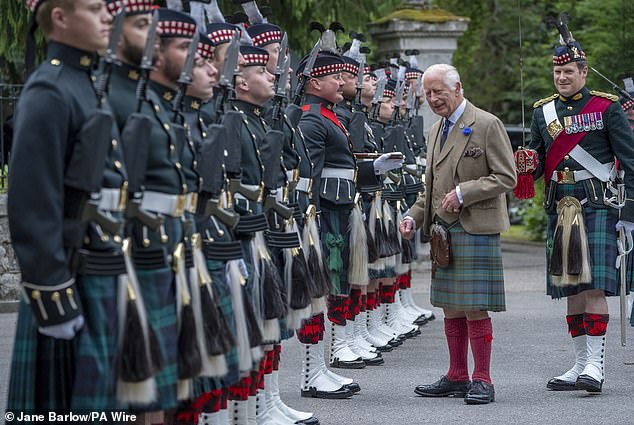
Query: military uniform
point(59, 251)
point(578, 138)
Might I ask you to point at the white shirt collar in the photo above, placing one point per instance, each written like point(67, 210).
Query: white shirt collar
point(457, 113)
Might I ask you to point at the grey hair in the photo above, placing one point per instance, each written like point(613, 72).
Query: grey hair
point(450, 74)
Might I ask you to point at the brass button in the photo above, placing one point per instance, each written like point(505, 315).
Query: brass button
point(114, 143)
point(157, 108)
point(56, 62)
point(36, 295)
point(55, 297)
point(204, 134)
point(166, 126)
point(172, 147)
point(178, 165)
point(195, 164)
point(117, 164)
point(117, 238)
point(567, 157)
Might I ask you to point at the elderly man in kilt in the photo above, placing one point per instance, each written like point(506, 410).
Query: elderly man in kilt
point(578, 134)
point(470, 168)
point(66, 176)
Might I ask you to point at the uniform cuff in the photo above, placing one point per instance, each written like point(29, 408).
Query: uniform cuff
point(53, 305)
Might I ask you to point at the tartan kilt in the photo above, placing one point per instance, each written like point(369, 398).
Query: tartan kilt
point(335, 239)
point(600, 228)
point(474, 279)
point(158, 289)
point(60, 375)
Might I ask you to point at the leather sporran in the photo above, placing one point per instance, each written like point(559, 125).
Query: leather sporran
point(440, 245)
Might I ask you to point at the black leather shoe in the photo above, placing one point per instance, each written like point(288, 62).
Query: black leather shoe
point(588, 383)
point(420, 321)
point(342, 392)
point(480, 393)
point(395, 342)
point(376, 361)
point(561, 385)
point(385, 349)
point(443, 388)
point(353, 387)
point(310, 421)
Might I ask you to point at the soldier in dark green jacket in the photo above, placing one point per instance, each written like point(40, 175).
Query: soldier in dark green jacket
point(67, 174)
point(578, 135)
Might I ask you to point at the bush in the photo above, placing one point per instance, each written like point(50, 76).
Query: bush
point(533, 215)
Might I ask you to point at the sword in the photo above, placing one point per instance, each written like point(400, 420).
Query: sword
point(227, 78)
point(615, 86)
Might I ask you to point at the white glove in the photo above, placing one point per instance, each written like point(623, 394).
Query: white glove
point(66, 330)
point(384, 164)
point(628, 226)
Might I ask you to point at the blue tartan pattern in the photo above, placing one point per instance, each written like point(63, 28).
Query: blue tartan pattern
point(53, 374)
point(158, 289)
point(474, 279)
point(600, 228)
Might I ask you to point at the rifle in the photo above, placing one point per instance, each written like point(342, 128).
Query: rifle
point(397, 101)
point(135, 133)
point(281, 78)
point(360, 75)
point(411, 97)
point(377, 99)
point(109, 58)
point(305, 76)
point(227, 79)
point(146, 62)
point(185, 77)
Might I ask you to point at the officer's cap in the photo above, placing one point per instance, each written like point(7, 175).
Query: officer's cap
point(265, 33)
point(176, 24)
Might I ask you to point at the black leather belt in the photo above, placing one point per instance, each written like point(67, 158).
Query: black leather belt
point(298, 215)
point(149, 260)
point(389, 195)
point(282, 239)
point(250, 224)
point(100, 263)
point(223, 251)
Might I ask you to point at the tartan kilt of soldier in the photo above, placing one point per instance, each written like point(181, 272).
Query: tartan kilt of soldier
point(49, 374)
point(335, 239)
point(474, 279)
point(158, 289)
point(602, 236)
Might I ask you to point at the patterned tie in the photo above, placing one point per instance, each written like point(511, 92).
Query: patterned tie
point(445, 133)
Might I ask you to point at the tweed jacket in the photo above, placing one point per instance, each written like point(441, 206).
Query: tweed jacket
point(478, 157)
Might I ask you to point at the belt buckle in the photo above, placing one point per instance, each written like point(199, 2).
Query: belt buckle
point(123, 196)
point(181, 204)
point(566, 177)
point(193, 202)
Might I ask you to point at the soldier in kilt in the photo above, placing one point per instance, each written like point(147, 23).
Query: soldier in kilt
point(469, 146)
point(578, 135)
point(66, 336)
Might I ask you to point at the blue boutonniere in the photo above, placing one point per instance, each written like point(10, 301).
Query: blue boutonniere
point(466, 131)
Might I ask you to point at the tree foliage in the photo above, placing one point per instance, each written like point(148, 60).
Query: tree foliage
point(488, 54)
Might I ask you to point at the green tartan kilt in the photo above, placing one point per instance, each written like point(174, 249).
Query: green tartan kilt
point(600, 228)
point(474, 279)
point(158, 289)
point(335, 239)
point(49, 374)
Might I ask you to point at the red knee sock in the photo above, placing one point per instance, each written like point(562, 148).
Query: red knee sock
point(458, 343)
point(481, 336)
point(596, 324)
point(576, 326)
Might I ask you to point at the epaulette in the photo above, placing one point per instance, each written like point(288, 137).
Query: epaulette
point(545, 100)
point(610, 96)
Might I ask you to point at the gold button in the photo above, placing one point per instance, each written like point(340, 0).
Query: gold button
point(204, 134)
point(117, 238)
point(36, 295)
point(157, 108)
point(117, 164)
point(55, 297)
point(56, 62)
point(114, 143)
point(567, 157)
point(195, 164)
point(69, 292)
point(178, 165)
point(172, 148)
point(166, 126)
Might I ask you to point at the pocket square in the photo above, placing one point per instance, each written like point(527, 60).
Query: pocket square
point(473, 152)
